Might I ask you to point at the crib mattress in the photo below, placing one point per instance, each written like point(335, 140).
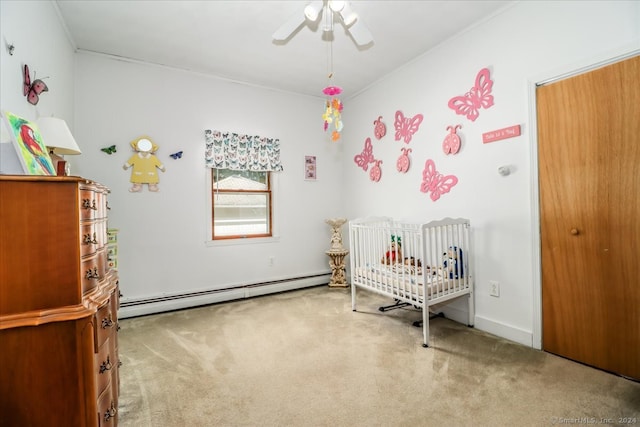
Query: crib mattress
point(407, 282)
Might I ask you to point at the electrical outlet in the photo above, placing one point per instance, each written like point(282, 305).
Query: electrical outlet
point(494, 288)
point(272, 261)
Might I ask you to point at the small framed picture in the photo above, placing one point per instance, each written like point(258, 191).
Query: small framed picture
point(310, 168)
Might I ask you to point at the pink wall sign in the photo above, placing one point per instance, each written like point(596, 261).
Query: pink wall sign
point(497, 135)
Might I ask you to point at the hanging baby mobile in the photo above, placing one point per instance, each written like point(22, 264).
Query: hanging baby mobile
point(479, 96)
point(32, 90)
point(333, 112)
point(434, 182)
point(380, 129)
point(451, 143)
point(145, 165)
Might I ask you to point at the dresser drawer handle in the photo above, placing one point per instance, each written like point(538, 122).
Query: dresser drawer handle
point(107, 322)
point(106, 366)
point(111, 412)
point(89, 204)
point(92, 274)
point(87, 240)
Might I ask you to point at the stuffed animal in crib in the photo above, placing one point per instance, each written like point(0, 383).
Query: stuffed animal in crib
point(453, 262)
point(394, 254)
point(412, 262)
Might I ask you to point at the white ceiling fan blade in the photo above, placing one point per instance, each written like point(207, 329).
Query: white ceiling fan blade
point(289, 27)
point(360, 33)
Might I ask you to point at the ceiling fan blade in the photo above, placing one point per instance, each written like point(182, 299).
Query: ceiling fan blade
point(360, 33)
point(289, 27)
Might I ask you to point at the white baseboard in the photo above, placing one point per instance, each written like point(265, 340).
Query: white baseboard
point(490, 326)
point(502, 330)
point(162, 303)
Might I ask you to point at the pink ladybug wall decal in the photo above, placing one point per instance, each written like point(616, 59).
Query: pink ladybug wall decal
point(376, 173)
point(403, 161)
point(380, 129)
point(451, 143)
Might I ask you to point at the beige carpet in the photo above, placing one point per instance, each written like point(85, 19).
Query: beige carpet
point(303, 358)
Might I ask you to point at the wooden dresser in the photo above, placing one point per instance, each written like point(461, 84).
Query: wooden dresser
point(58, 304)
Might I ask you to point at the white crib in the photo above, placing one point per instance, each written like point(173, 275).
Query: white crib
point(440, 252)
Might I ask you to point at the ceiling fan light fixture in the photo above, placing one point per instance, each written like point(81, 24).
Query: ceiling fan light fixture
point(312, 10)
point(348, 15)
point(337, 5)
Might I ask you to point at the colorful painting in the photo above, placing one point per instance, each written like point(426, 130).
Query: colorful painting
point(32, 152)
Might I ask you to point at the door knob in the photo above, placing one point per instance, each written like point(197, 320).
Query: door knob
point(575, 231)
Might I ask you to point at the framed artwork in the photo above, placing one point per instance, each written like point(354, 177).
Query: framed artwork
point(30, 148)
point(310, 168)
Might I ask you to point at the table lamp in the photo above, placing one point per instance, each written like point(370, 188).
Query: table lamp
point(58, 139)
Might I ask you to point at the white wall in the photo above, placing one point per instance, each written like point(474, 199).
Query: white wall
point(162, 239)
point(519, 45)
point(40, 41)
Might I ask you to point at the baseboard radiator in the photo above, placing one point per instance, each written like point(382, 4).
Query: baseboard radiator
point(169, 302)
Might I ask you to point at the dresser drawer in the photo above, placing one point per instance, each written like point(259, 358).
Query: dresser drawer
point(90, 238)
point(106, 324)
point(93, 270)
point(107, 409)
point(105, 362)
point(89, 203)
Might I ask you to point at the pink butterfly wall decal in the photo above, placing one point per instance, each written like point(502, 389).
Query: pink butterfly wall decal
point(363, 159)
point(32, 90)
point(479, 96)
point(406, 127)
point(434, 182)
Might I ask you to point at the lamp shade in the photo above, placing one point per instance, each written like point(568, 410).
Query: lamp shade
point(57, 136)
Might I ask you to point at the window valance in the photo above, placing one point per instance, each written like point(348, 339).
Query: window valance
point(226, 150)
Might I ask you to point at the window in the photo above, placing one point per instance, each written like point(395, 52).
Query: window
point(241, 204)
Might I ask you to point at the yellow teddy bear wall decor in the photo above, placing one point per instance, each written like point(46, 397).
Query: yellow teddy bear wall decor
point(144, 164)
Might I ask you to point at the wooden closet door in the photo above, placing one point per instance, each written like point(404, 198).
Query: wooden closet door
point(589, 176)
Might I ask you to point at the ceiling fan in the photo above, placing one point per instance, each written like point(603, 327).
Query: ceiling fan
point(331, 11)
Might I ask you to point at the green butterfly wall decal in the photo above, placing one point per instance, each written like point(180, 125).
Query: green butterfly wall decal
point(109, 150)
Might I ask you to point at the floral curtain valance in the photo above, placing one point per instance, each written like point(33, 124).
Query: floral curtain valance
point(226, 150)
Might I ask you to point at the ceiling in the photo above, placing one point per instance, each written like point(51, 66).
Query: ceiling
point(232, 39)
